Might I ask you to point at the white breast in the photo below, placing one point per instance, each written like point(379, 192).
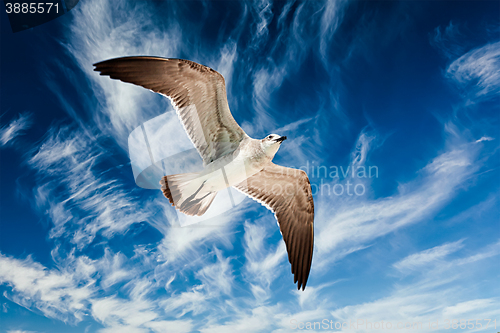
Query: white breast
point(232, 170)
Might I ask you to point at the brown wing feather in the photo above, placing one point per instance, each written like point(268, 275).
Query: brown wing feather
point(197, 92)
point(287, 192)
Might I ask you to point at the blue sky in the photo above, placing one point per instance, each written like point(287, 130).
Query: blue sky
point(410, 89)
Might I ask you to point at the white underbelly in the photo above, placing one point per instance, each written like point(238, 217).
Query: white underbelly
point(222, 175)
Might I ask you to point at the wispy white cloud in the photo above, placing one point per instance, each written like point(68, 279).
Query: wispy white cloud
point(360, 152)
point(193, 300)
point(113, 269)
point(422, 301)
point(265, 81)
point(61, 295)
point(417, 308)
point(123, 106)
point(217, 277)
point(474, 213)
point(136, 315)
point(264, 263)
point(293, 126)
point(489, 251)
point(263, 14)
point(417, 260)
point(485, 138)
point(309, 25)
point(332, 15)
point(258, 319)
point(478, 72)
point(8, 133)
point(73, 189)
point(435, 296)
point(349, 223)
point(227, 59)
point(79, 287)
point(311, 297)
point(267, 318)
point(449, 40)
point(217, 281)
point(466, 308)
point(181, 244)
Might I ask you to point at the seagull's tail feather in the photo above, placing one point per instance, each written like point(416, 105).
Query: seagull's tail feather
point(185, 192)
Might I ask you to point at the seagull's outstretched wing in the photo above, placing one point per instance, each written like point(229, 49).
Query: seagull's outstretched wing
point(287, 192)
point(197, 92)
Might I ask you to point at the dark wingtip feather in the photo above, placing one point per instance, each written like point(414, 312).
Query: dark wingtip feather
point(166, 190)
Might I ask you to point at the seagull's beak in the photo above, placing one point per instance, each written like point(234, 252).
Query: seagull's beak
point(281, 139)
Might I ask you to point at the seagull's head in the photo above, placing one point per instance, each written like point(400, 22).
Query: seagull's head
point(272, 142)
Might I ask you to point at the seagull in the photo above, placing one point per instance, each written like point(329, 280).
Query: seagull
point(198, 94)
